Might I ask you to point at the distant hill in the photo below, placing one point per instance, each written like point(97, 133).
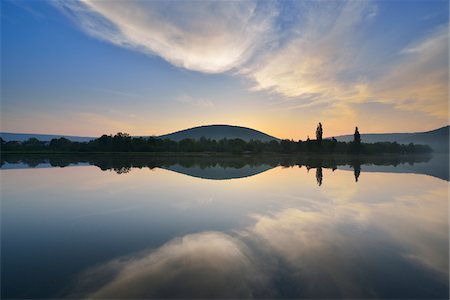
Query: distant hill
point(218, 132)
point(437, 139)
point(215, 132)
point(7, 136)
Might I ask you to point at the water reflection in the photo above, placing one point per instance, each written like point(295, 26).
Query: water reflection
point(204, 265)
point(319, 175)
point(151, 232)
point(210, 167)
point(330, 251)
point(357, 171)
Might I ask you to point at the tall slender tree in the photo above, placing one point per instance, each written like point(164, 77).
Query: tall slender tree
point(319, 132)
point(357, 136)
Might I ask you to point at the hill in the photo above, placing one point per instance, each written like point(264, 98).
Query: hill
point(218, 132)
point(214, 132)
point(20, 137)
point(437, 139)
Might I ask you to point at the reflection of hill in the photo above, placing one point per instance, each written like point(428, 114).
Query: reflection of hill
point(437, 166)
point(211, 167)
point(218, 172)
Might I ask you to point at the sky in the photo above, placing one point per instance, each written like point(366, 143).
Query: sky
point(148, 67)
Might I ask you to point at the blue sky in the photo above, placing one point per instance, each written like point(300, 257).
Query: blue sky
point(148, 67)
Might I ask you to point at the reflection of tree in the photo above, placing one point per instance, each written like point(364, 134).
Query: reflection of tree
point(122, 170)
point(319, 175)
point(356, 171)
point(124, 163)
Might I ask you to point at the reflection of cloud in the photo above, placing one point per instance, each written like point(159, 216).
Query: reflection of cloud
point(369, 244)
point(346, 248)
point(428, 242)
point(206, 265)
point(317, 251)
point(414, 225)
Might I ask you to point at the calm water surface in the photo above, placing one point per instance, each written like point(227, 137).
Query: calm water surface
point(224, 228)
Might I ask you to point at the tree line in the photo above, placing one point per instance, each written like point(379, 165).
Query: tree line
point(122, 142)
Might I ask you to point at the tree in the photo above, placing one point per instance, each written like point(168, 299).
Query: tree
point(357, 136)
point(356, 146)
point(60, 144)
point(319, 132)
point(308, 145)
point(333, 144)
point(122, 142)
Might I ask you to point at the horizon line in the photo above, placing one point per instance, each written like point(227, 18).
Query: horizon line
point(92, 136)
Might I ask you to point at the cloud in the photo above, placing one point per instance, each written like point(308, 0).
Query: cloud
point(317, 56)
point(28, 8)
point(200, 102)
point(116, 92)
point(116, 123)
point(418, 80)
point(327, 61)
point(210, 37)
point(308, 53)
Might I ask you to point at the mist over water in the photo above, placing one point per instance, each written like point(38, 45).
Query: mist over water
point(274, 227)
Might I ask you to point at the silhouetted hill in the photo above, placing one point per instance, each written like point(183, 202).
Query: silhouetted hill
point(214, 132)
point(437, 139)
point(20, 137)
point(218, 132)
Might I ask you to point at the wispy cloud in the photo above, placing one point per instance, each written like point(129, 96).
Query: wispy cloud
point(204, 36)
point(200, 102)
point(328, 57)
point(96, 120)
point(312, 48)
point(318, 55)
point(119, 93)
point(25, 5)
point(418, 81)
